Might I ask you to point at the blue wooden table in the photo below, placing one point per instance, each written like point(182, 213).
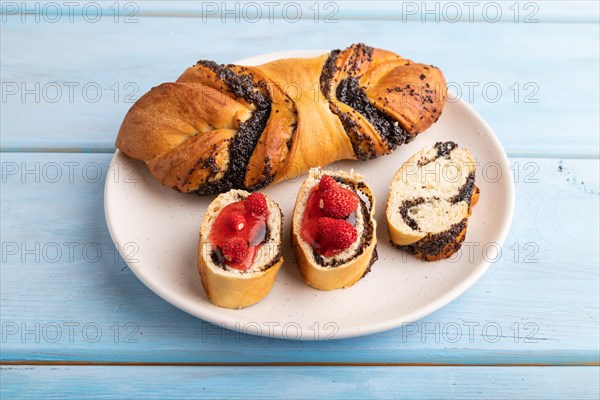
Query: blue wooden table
point(77, 323)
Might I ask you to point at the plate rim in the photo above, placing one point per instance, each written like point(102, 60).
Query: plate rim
point(214, 317)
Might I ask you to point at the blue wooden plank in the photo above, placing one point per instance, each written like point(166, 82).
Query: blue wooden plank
point(547, 11)
point(542, 294)
point(72, 382)
point(547, 73)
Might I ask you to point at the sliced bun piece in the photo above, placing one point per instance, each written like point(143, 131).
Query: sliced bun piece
point(346, 268)
point(229, 287)
point(430, 201)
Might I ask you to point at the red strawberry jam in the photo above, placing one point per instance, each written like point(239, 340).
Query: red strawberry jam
point(235, 225)
point(314, 212)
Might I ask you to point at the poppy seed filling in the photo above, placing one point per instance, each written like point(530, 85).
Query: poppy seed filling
point(244, 142)
point(350, 93)
point(404, 210)
point(434, 244)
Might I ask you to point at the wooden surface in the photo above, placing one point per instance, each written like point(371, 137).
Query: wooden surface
point(303, 382)
point(88, 313)
point(556, 244)
point(550, 83)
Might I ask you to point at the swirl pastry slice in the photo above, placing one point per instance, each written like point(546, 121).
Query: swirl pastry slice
point(430, 202)
point(220, 127)
point(239, 252)
point(333, 229)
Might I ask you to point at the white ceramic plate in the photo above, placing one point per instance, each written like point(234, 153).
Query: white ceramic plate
point(156, 231)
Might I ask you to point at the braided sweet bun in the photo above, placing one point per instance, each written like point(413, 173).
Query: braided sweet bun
point(220, 127)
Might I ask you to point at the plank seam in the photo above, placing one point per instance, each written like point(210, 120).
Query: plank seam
point(282, 364)
point(376, 17)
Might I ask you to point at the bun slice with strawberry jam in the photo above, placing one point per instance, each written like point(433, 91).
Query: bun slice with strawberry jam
point(333, 229)
point(239, 253)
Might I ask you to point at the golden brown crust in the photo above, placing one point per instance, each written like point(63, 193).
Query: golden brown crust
point(182, 168)
point(414, 94)
point(286, 116)
point(411, 95)
point(346, 274)
point(172, 113)
point(231, 291)
point(319, 139)
point(332, 278)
